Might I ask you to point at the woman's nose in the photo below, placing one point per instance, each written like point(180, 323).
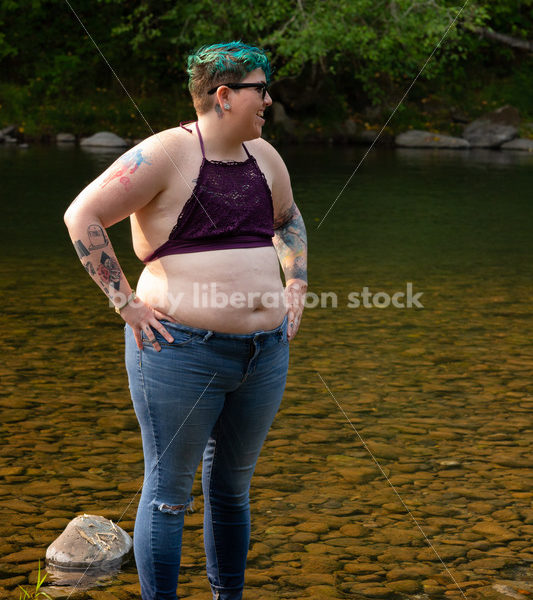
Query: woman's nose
point(267, 99)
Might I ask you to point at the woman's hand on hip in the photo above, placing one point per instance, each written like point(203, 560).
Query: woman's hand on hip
point(142, 317)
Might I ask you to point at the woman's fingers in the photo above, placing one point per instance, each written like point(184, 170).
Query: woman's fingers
point(162, 330)
point(138, 338)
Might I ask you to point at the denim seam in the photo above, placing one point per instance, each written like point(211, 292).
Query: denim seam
point(211, 508)
point(152, 515)
point(252, 359)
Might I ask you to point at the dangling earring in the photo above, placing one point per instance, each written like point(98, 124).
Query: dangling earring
point(227, 106)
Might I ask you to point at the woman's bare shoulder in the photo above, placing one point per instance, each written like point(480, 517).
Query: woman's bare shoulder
point(168, 144)
point(266, 151)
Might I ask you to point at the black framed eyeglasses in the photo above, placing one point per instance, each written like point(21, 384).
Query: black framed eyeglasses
point(261, 87)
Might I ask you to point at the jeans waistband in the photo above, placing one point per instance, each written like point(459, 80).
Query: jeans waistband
point(207, 333)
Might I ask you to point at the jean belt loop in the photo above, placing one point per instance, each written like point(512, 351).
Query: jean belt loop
point(207, 336)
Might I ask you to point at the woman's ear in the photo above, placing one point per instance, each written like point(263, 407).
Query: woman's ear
point(223, 94)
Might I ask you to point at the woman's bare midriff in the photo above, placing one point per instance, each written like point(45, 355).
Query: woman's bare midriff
point(230, 291)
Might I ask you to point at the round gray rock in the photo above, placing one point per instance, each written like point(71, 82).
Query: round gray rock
point(104, 138)
point(493, 129)
point(65, 138)
point(523, 144)
point(426, 139)
point(89, 541)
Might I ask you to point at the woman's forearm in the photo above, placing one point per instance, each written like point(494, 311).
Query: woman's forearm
point(97, 256)
point(290, 242)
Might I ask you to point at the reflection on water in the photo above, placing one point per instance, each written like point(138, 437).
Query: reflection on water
point(440, 395)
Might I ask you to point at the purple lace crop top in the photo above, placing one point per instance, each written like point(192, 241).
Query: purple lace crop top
point(230, 207)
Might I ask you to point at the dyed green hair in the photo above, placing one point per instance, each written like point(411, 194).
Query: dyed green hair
point(222, 63)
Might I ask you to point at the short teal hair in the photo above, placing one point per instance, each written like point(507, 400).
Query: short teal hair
point(222, 63)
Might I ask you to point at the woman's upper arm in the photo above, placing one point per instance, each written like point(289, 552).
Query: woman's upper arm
point(130, 183)
point(282, 198)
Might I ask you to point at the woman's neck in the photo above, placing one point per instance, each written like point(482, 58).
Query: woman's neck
point(220, 139)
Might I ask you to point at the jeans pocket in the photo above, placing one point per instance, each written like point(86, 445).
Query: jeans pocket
point(180, 338)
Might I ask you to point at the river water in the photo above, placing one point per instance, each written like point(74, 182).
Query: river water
point(400, 462)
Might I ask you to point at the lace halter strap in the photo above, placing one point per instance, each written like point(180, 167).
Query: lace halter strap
point(202, 141)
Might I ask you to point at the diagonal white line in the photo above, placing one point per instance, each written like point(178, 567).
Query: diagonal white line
point(149, 475)
point(137, 108)
point(394, 111)
point(392, 486)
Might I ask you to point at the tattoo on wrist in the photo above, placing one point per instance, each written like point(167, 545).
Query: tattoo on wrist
point(109, 271)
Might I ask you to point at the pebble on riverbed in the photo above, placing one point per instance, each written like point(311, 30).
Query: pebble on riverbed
point(89, 541)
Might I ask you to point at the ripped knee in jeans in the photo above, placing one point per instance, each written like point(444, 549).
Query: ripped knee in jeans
point(175, 509)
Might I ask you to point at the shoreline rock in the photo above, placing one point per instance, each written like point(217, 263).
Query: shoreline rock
point(89, 541)
point(105, 139)
point(522, 144)
point(493, 129)
point(416, 138)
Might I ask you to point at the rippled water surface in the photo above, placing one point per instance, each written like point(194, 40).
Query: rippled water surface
point(400, 463)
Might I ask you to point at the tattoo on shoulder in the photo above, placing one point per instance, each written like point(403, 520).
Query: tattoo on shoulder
point(126, 165)
point(286, 216)
point(97, 237)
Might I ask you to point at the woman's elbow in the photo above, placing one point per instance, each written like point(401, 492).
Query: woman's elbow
point(71, 216)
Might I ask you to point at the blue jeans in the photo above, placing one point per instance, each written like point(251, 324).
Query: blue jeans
point(209, 395)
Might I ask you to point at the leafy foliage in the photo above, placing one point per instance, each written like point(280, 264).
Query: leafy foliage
point(340, 55)
point(37, 592)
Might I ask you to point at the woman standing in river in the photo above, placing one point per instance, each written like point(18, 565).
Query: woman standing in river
point(208, 328)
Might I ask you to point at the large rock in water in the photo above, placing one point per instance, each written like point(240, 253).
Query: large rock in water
point(524, 144)
point(416, 138)
point(89, 541)
point(104, 138)
point(493, 129)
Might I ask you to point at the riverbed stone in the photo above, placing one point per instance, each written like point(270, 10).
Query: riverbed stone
point(372, 591)
point(494, 532)
point(413, 571)
point(405, 586)
point(313, 527)
point(416, 138)
point(445, 552)
point(89, 540)
point(26, 555)
point(104, 139)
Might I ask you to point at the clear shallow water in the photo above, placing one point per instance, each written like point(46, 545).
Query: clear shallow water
point(440, 395)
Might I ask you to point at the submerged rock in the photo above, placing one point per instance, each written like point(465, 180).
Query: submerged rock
point(89, 541)
point(104, 138)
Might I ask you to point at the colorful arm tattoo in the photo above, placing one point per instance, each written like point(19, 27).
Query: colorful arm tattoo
point(290, 242)
point(102, 267)
point(127, 164)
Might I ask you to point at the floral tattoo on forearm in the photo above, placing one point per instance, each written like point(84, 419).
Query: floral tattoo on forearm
point(107, 272)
